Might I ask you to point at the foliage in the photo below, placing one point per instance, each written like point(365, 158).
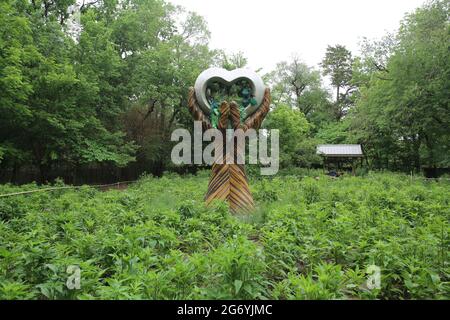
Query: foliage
point(402, 113)
point(312, 237)
point(337, 64)
point(296, 147)
point(233, 61)
point(57, 95)
point(299, 85)
point(106, 94)
point(393, 98)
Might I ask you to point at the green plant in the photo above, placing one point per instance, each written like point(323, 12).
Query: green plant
point(156, 240)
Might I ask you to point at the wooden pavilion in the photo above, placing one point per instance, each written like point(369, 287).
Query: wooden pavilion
point(340, 156)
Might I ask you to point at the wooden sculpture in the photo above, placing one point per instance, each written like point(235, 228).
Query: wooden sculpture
point(229, 182)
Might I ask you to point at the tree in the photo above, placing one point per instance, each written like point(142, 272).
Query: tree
point(337, 64)
point(300, 86)
point(403, 110)
point(296, 146)
point(230, 61)
point(17, 55)
point(100, 95)
point(66, 104)
point(161, 74)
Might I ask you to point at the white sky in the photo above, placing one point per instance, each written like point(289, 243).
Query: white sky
point(270, 31)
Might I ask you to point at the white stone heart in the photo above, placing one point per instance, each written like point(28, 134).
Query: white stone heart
point(228, 78)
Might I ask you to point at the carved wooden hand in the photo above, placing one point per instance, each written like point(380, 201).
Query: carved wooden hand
point(228, 182)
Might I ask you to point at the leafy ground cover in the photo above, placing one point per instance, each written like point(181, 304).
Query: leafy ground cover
point(311, 238)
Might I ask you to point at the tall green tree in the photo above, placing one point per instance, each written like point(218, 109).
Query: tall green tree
point(337, 64)
point(162, 73)
point(65, 111)
point(18, 54)
point(403, 110)
point(296, 84)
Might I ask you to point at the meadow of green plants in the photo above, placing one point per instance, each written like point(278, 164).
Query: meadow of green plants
point(311, 238)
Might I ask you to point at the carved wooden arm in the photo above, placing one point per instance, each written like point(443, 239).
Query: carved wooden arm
point(254, 121)
point(196, 111)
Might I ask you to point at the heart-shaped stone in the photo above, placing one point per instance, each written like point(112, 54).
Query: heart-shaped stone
point(228, 78)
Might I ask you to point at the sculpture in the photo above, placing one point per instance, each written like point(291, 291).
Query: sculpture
point(229, 182)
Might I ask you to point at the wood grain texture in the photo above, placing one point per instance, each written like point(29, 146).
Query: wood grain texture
point(196, 112)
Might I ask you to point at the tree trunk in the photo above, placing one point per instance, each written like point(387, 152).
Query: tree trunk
point(15, 172)
point(44, 169)
point(429, 144)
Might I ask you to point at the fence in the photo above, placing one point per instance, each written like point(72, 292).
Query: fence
point(116, 184)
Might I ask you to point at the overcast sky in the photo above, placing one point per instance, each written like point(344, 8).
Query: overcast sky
point(270, 31)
